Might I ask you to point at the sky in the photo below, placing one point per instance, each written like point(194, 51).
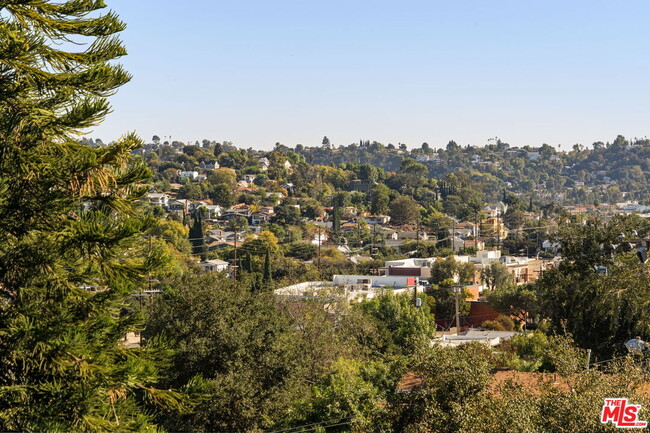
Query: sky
point(257, 72)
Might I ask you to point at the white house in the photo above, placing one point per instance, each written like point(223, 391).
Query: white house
point(377, 219)
point(160, 199)
point(214, 265)
point(320, 238)
point(191, 174)
point(370, 281)
point(248, 178)
point(214, 210)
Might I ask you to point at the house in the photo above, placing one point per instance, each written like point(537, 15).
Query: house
point(328, 292)
point(225, 236)
point(160, 199)
point(493, 211)
point(411, 263)
point(374, 281)
point(551, 247)
point(358, 258)
point(349, 227)
point(377, 219)
point(260, 217)
point(320, 238)
point(389, 234)
point(491, 338)
point(264, 164)
point(349, 213)
point(404, 271)
point(214, 265)
point(180, 205)
point(344, 248)
point(275, 195)
point(238, 211)
point(248, 178)
point(188, 174)
point(287, 165)
point(219, 245)
point(214, 210)
point(474, 243)
point(413, 235)
point(427, 158)
point(495, 226)
point(465, 229)
point(457, 243)
point(361, 185)
point(212, 165)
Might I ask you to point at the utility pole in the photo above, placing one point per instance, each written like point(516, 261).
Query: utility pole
point(320, 241)
point(476, 231)
point(417, 234)
point(373, 271)
point(498, 231)
point(453, 238)
point(457, 290)
point(235, 261)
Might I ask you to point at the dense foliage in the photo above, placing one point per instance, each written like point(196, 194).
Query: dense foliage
point(82, 256)
point(70, 251)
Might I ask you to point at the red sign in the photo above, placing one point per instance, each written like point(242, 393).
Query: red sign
point(621, 413)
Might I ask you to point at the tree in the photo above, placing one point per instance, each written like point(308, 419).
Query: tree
point(403, 210)
point(286, 214)
point(455, 379)
point(379, 199)
point(413, 173)
point(222, 195)
point(368, 173)
point(450, 269)
point(574, 296)
point(302, 250)
point(232, 348)
point(69, 221)
point(267, 276)
point(496, 276)
point(224, 176)
point(520, 301)
point(407, 328)
point(197, 237)
point(345, 392)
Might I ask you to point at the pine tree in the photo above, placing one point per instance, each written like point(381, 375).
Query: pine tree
point(71, 250)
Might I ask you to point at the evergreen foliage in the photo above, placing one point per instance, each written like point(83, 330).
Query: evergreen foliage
point(70, 251)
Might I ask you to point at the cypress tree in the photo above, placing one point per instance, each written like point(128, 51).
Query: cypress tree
point(336, 219)
point(197, 237)
point(267, 277)
point(71, 250)
point(249, 263)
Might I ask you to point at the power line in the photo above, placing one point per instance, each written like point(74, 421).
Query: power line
point(314, 426)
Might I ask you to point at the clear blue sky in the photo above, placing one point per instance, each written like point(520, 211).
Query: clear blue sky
point(256, 72)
